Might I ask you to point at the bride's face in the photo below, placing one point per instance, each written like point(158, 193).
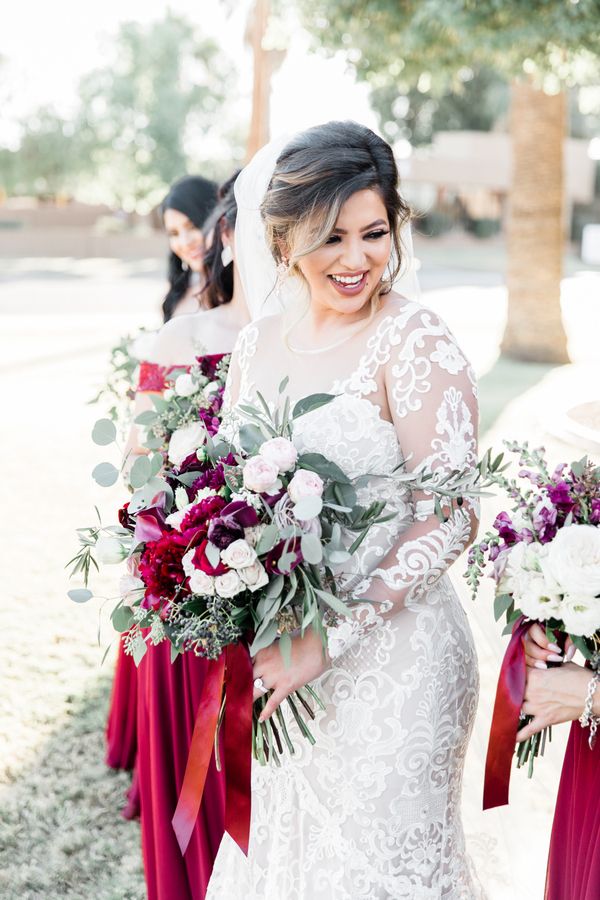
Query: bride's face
point(343, 273)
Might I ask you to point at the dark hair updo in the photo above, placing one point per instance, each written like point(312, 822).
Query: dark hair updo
point(317, 172)
point(195, 197)
point(218, 288)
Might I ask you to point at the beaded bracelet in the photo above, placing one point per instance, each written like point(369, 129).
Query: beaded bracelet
point(588, 718)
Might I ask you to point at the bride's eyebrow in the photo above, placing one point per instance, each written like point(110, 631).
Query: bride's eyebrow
point(366, 228)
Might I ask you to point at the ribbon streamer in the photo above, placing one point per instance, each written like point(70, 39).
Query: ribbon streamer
point(230, 673)
point(505, 720)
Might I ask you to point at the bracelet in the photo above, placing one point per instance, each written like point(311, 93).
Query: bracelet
point(587, 718)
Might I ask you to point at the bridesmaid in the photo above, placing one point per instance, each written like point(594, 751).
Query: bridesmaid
point(552, 696)
point(169, 693)
point(185, 210)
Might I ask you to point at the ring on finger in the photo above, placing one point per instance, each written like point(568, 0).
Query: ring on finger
point(259, 685)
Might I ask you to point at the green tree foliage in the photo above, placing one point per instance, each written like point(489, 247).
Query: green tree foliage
point(151, 113)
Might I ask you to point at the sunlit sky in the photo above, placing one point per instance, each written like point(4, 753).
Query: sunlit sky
point(46, 47)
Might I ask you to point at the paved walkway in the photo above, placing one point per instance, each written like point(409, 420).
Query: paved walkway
point(58, 319)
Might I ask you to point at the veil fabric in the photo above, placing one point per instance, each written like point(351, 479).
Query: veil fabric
point(265, 294)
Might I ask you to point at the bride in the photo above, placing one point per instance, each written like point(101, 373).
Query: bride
point(373, 809)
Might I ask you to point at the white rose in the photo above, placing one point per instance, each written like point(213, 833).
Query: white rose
point(238, 554)
point(261, 476)
point(305, 484)
point(211, 388)
point(201, 583)
point(130, 589)
point(254, 534)
point(185, 385)
point(280, 452)
point(185, 441)
point(574, 560)
point(534, 598)
point(181, 497)
point(580, 613)
point(110, 551)
point(229, 584)
point(254, 576)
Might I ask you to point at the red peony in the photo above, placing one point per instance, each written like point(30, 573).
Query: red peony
point(195, 523)
point(161, 568)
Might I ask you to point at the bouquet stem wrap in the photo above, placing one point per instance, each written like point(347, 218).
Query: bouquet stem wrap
point(229, 680)
point(505, 720)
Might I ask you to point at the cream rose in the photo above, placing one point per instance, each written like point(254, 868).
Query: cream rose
point(229, 584)
point(280, 452)
point(110, 551)
point(238, 554)
point(261, 476)
point(254, 576)
point(305, 484)
point(185, 441)
point(573, 560)
point(580, 613)
point(185, 385)
point(201, 583)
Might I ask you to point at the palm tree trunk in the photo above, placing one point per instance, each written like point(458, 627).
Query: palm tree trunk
point(534, 329)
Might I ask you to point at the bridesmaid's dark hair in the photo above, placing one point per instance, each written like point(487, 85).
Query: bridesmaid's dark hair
point(195, 197)
point(218, 288)
point(314, 176)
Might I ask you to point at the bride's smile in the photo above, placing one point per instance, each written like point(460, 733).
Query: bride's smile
point(347, 269)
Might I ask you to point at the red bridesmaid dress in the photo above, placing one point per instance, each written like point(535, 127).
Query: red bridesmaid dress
point(574, 860)
point(168, 699)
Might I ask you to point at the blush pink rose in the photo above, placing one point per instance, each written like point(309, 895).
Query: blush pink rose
point(280, 452)
point(305, 484)
point(260, 475)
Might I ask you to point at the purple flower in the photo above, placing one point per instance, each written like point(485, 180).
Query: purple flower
point(544, 522)
point(505, 528)
point(595, 512)
point(560, 497)
point(230, 525)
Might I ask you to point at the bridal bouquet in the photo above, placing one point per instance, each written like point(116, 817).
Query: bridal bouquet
point(545, 559)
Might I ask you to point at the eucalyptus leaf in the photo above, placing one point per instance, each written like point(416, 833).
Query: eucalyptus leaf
point(80, 595)
point(121, 618)
point(138, 649)
point(141, 472)
point(336, 557)
point(308, 508)
point(251, 438)
point(156, 463)
point(153, 443)
point(310, 403)
point(501, 604)
point(264, 639)
point(285, 645)
point(105, 474)
point(147, 496)
point(175, 652)
point(267, 540)
point(104, 432)
point(275, 587)
point(334, 602)
point(312, 551)
point(284, 384)
point(213, 555)
point(316, 462)
point(146, 418)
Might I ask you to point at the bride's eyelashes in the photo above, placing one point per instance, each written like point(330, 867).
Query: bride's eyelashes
point(371, 236)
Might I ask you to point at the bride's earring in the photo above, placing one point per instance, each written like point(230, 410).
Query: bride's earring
point(184, 266)
point(283, 270)
point(227, 255)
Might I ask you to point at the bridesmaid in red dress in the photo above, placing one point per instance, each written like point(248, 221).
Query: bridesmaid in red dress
point(564, 694)
point(169, 693)
point(185, 210)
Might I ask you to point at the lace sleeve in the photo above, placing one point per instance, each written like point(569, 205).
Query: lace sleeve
point(433, 403)
point(237, 386)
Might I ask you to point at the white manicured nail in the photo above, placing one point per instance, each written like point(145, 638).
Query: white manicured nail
point(555, 648)
point(554, 657)
point(540, 664)
point(570, 653)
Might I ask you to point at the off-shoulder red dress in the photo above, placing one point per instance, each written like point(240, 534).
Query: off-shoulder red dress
point(574, 861)
point(168, 699)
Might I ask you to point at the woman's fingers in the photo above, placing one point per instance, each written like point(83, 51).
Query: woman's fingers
point(536, 724)
point(275, 700)
point(539, 649)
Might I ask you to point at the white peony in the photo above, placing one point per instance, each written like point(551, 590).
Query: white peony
point(130, 589)
point(110, 551)
point(280, 452)
point(574, 560)
point(185, 386)
point(238, 554)
point(261, 476)
point(185, 441)
point(229, 584)
point(305, 484)
point(580, 613)
point(254, 576)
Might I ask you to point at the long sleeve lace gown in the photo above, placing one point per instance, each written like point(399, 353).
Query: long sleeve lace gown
point(373, 809)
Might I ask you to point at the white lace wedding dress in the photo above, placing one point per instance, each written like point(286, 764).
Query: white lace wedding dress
point(372, 811)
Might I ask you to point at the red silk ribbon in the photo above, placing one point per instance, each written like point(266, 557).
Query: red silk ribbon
point(230, 673)
point(505, 720)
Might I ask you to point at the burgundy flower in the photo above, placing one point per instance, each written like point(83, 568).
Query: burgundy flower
point(198, 518)
point(560, 496)
point(209, 363)
point(161, 569)
point(544, 522)
point(229, 526)
point(505, 528)
point(595, 512)
point(284, 557)
point(125, 520)
point(201, 561)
